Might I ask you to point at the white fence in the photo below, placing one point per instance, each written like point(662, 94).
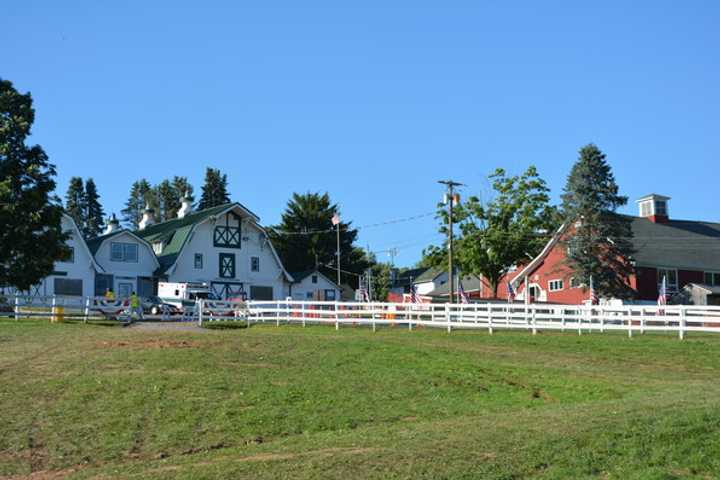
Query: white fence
point(679, 319)
point(491, 316)
point(58, 308)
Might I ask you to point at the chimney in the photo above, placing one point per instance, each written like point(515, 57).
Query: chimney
point(148, 217)
point(186, 206)
point(112, 225)
point(654, 207)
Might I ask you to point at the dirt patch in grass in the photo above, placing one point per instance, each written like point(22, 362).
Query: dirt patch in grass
point(149, 344)
point(43, 475)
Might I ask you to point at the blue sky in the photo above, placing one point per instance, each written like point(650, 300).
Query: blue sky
point(372, 101)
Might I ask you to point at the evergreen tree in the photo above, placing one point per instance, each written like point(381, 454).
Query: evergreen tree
point(306, 237)
point(75, 201)
point(214, 191)
point(31, 237)
point(599, 244)
point(169, 195)
point(94, 214)
point(141, 193)
point(168, 201)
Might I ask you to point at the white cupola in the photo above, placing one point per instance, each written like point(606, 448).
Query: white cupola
point(112, 225)
point(186, 206)
point(148, 217)
point(654, 207)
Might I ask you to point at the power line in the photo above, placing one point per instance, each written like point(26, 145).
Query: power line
point(361, 227)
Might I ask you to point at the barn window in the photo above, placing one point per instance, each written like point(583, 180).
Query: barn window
point(198, 261)
point(227, 265)
point(124, 252)
point(68, 286)
point(254, 264)
point(575, 282)
point(556, 285)
point(314, 279)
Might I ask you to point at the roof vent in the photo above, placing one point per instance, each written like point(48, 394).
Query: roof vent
point(654, 207)
point(112, 225)
point(148, 217)
point(186, 206)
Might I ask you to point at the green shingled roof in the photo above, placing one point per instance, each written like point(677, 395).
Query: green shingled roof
point(94, 243)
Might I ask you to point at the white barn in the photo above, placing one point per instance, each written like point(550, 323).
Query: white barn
point(128, 263)
point(75, 276)
point(224, 247)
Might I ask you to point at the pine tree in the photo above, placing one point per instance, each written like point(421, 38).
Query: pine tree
point(31, 237)
point(75, 201)
point(183, 187)
point(94, 214)
point(141, 193)
point(306, 234)
point(214, 191)
point(168, 201)
point(599, 245)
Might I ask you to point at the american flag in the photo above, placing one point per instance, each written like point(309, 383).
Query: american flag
point(413, 294)
point(335, 219)
point(511, 292)
point(593, 295)
point(461, 293)
point(662, 297)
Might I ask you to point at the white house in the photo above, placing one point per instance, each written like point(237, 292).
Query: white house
point(313, 285)
point(75, 276)
point(128, 262)
point(224, 247)
point(429, 280)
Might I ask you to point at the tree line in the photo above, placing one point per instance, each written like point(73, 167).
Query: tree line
point(516, 223)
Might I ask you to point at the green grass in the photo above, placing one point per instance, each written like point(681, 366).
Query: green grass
point(88, 401)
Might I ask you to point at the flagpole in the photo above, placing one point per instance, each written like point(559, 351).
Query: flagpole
point(338, 252)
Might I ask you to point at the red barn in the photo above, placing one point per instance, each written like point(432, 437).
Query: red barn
point(681, 251)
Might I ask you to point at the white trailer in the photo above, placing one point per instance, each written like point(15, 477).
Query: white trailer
point(184, 294)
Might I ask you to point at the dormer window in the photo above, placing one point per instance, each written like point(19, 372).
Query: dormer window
point(661, 208)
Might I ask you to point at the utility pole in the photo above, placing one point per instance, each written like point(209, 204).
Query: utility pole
point(449, 201)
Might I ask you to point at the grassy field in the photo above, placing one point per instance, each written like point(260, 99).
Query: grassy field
point(89, 401)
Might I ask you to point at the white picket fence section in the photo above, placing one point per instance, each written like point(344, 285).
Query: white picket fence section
point(679, 319)
point(58, 307)
point(632, 319)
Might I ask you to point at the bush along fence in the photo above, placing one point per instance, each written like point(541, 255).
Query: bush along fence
point(679, 319)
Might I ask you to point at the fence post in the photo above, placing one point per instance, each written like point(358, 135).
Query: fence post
point(490, 315)
point(562, 319)
point(199, 305)
point(337, 319)
point(372, 315)
point(642, 320)
point(303, 313)
point(602, 321)
point(287, 312)
point(534, 328)
point(87, 309)
point(447, 316)
point(53, 305)
point(580, 317)
point(682, 323)
point(17, 307)
point(629, 321)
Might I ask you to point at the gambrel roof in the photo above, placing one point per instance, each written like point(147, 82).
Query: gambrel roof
point(175, 233)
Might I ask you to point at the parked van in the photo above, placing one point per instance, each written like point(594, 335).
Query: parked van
point(184, 294)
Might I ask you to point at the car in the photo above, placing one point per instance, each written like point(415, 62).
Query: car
point(155, 305)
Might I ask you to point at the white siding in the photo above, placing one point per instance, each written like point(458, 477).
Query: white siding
point(301, 290)
point(126, 272)
point(426, 287)
point(253, 244)
point(80, 268)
